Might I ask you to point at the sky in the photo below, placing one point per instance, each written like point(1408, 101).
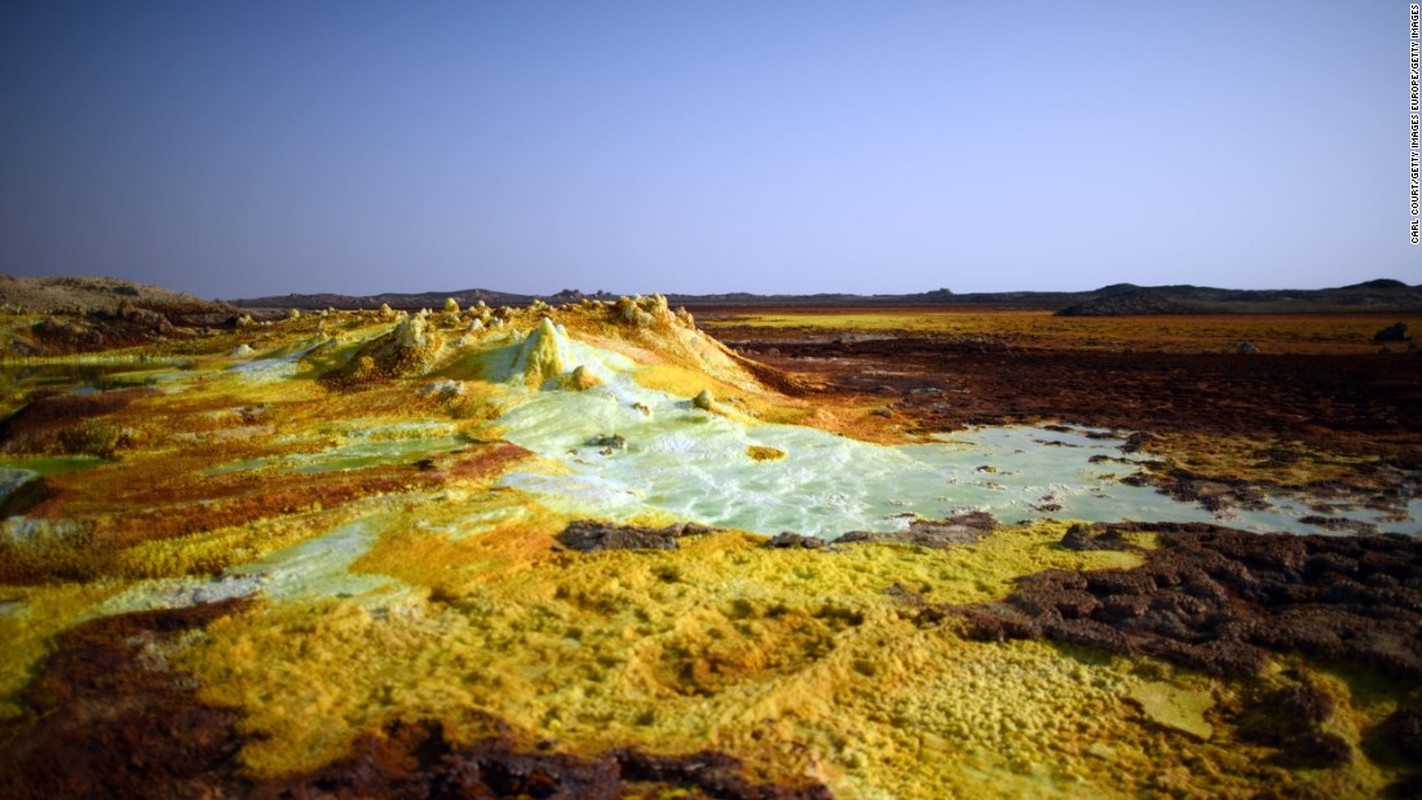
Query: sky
point(239, 149)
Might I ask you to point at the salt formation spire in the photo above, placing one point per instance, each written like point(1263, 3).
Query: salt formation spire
point(545, 354)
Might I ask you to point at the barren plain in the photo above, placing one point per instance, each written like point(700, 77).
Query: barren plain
point(613, 549)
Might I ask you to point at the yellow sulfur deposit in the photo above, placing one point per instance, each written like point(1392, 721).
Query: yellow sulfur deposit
point(762, 453)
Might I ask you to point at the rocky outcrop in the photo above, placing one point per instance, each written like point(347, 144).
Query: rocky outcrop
point(591, 536)
point(1081, 537)
point(789, 540)
point(1292, 718)
point(1220, 600)
point(1404, 731)
point(939, 534)
point(1397, 332)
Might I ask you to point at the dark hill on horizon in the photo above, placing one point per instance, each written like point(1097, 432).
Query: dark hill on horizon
point(1382, 294)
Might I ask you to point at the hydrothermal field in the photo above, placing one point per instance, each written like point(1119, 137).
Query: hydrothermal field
point(591, 550)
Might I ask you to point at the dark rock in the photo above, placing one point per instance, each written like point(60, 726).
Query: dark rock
point(1317, 749)
point(20, 490)
point(1246, 348)
point(998, 622)
point(1074, 605)
point(1136, 442)
point(715, 774)
point(1218, 599)
point(1085, 632)
point(1120, 582)
point(1082, 537)
point(1341, 524)
point(1396, 332)
point(1321, 564)
point(790, 539)
point(1408, 788)
point(590, 536)
point(916, 607)
point(70, 332)
point(1116, 609)
point(939, 534)
point(1403, 730)
point(1289, 719)
point(415, 760)
point(1305, 702)
point(611, 441)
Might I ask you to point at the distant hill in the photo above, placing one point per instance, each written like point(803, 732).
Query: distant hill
point(1383, 294)
point(84, 295)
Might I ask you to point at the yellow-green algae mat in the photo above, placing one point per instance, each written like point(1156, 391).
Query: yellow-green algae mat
point(349, 472)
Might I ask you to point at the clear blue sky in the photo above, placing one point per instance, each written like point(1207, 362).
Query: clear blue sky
point(235, 149)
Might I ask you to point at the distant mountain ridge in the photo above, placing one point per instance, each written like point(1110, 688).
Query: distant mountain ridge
point(1381, 294)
